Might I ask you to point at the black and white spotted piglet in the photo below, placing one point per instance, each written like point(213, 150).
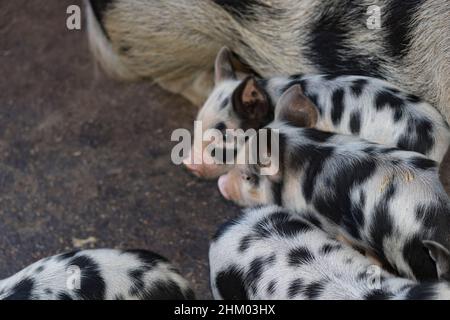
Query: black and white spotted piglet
point(270, 253)
point(102, 274)
point(366, 107)
point(386, 200)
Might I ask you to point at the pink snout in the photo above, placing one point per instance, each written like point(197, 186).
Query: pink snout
point(222, 183)
point(203, 170)
point(194, 168)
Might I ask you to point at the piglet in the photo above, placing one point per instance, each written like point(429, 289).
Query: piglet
point(102, 274)
point(271, 253)
point(382, 199)
point(365, 107)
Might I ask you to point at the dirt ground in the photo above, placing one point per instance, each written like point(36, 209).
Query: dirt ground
point(85, 160)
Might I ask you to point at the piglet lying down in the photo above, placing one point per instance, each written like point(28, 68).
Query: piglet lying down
point(270, 253)
point(102, 274)
point(382, 199)
point(369, 108)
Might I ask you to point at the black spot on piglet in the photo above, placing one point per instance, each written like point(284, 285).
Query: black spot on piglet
point(22, 290)
point(295, 287)
point(358, 86)
point(338, 106)
point(230, 284)
point(92, 286)
point(167, 290)
point(315, 289)
point(377, 294)
point(387, 98)
point(299, 256)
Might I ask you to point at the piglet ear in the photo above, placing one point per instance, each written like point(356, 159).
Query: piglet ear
point(252, 104)
point(441, 257)
point(296, 108)
point(223, 68)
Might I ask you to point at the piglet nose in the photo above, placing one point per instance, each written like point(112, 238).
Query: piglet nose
point(188, 161)
point(223, 180)
point(194, 168)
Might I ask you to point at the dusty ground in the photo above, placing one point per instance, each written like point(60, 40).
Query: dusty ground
point(85, 157)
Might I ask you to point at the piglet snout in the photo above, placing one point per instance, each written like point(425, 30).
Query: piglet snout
point(194, 168)
point(190, 164)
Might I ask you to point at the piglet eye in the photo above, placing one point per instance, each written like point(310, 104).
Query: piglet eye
point(246, 177)
point(221, 127)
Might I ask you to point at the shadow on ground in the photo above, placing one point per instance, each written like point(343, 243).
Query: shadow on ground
point(85, 161)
